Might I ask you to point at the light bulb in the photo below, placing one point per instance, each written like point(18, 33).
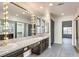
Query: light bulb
point(6, 12)
point(6, 38)
point(6, 17)
point(6, 7)
point(5, 32)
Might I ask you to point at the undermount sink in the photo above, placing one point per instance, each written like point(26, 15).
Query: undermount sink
point(8, 47)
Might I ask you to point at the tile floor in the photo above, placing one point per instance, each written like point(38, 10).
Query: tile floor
point(58, 50)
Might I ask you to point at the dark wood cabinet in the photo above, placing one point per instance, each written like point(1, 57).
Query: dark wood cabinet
point(40, 47)
point(36, 48)
point(17, 53)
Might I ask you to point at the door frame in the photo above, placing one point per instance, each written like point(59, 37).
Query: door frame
point(62, 31)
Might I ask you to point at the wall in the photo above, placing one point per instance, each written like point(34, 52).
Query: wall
point(76, 14)
point(58, 27)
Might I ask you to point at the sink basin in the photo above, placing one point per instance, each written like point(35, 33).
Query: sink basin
point(8, 47)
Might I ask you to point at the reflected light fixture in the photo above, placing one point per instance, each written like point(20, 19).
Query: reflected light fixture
point(5, 25)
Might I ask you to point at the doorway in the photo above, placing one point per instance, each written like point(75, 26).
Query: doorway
point(67, 33)
point(52, 31)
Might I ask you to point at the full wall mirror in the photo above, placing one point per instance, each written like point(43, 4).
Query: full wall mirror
point(1, 22)
point(19, 20)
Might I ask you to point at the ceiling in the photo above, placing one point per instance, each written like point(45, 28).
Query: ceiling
point(68, 8)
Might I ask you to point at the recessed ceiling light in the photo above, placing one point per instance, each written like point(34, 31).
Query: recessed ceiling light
point(50, 4)
point(62, 13)
point(41, 7)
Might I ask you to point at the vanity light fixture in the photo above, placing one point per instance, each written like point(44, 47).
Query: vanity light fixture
point(5, 33)
point(6, 7)
point(33, 23)
point(5, 25)
point(7, 17)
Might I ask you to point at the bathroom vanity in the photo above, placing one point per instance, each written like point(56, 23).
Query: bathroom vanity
point(16, 47)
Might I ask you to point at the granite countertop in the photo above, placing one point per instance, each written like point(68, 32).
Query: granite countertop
point(18, 43)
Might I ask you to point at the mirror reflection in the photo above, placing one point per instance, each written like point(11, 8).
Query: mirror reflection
point(20, 22)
